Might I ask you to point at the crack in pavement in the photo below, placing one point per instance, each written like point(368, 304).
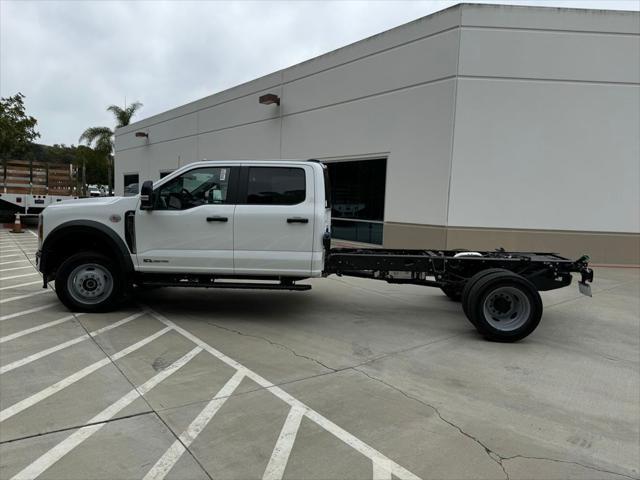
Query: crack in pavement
point(588, 467)
point(276, 344)
point(492, 455)
point(495, 456)
point(332, 369)
point(76, 427)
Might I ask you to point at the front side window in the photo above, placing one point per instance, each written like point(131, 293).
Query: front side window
point(201, 186)
point(276, 186)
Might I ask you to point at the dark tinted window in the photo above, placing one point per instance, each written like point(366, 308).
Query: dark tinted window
point(358, 189)
point(275, 186)
point(131, 184)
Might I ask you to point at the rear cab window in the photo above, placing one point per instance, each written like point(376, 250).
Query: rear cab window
point(276, 186)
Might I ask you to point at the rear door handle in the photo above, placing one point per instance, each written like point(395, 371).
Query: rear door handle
point(217, 219)
point(297, 220)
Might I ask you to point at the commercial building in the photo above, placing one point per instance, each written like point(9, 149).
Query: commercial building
point(480, 126)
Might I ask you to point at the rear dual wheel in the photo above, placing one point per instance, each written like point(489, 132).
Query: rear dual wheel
point(503, 306)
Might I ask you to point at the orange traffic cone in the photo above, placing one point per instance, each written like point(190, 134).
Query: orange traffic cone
point(17, 226)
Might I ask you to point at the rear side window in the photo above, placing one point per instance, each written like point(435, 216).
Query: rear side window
point(276, 186)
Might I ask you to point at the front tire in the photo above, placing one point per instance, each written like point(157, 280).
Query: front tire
point(89, 282)
point(504, 307)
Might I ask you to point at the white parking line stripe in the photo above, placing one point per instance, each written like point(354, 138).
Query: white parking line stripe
point(351, 440)
point(381, 471)
point(27, 312)
point(15, 268)
point(73, 378)
point(37, 282)
point(49, 458)
point(175, 451)
point(20, 297)
point(19, 276)
point(22, 333)
point(33, 233)
point(43, 353)
point(13, 261)
point(282, 450)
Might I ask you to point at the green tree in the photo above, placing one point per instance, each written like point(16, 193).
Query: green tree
point(101, 138)
point(17, 129)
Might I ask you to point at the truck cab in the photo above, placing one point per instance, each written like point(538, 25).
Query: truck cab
point(207, 221)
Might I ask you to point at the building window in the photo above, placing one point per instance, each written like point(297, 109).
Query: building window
point(276, 186)
point(357, 191)
point(131, 184)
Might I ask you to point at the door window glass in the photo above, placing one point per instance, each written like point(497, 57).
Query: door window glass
point(202, 186)
point(276, 186)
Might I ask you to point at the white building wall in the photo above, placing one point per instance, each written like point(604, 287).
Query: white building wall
point(547, 121)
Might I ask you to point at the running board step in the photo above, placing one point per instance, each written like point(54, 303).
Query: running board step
point(236, 285)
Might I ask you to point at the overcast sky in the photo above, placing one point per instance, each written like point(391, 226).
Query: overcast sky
point(73, 58)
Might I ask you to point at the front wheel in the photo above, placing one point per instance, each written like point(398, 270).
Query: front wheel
point(89, 282)
point(504, 307)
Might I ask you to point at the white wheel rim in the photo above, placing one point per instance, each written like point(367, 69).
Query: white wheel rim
point(506, 308)
point(90, 283)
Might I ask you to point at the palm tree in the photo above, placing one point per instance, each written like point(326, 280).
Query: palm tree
point(123, 115)
point(102, 137)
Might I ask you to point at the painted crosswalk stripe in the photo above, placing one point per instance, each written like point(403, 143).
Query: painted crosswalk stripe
point(381, 470)
point(164, 465)
point(284, 444)
point(11, 287)
point(14, 261)
point(48, 351)
point(16, 268)
point(11, 255)
point(45, 461)
point(20, 297)
point(27, 312)
point(337, 431)
point(37, 328)
point(73, 378)
point(20, 276)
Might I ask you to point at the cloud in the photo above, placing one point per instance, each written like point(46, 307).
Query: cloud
point(72, 59)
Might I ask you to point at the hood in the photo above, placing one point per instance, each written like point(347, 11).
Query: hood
point(97, 202)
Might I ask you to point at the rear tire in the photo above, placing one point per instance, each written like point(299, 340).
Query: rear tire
point(453, 293)
point(89, 282)
point(472, 281)
point(504, 307)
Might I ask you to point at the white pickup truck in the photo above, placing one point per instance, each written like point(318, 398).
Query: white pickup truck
point(267, 224)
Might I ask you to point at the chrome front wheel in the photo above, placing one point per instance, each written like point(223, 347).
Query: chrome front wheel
point(90, 283)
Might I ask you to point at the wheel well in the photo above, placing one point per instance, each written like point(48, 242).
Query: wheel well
point(64, 242)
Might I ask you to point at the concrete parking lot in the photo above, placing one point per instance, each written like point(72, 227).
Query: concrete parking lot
point(354, 379)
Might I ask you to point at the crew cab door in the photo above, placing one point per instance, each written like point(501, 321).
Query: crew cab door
point(274, 221)
point(190, 228)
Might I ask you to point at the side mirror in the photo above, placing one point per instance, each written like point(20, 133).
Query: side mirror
point(146, 196)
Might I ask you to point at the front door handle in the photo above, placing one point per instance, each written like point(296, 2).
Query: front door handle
point(217, 219)
point(297, 220)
